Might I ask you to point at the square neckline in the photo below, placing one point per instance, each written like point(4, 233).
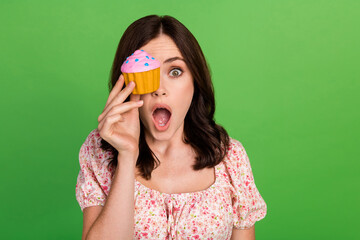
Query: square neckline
point(212, 186)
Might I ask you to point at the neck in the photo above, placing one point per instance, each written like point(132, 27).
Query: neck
point(168, 149)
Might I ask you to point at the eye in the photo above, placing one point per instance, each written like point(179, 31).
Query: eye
point(176, 72)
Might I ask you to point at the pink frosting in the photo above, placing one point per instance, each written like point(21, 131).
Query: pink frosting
point(139, 61)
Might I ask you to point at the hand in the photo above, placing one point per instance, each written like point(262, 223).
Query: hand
point(119, 122)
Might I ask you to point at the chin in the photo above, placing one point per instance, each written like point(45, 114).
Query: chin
point(156, 135)
point(160, 136)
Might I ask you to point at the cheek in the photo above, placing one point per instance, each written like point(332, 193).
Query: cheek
point(143, 115)
point(144, 96)
point(144, 118)
point(188, 91)
point(184, 95)
point(142, 112)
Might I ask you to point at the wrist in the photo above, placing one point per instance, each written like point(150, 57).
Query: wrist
point(127, 157)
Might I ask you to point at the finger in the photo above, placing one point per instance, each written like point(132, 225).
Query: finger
point(110, 120)
point(105, 125)
point(116, 90)
point(125, 92)
point(121, 108)
point(135, 97)
point(118, 110)
point(118, 99)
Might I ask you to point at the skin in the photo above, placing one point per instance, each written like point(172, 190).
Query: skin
point(119, 125)
point(243, 234)
point(177, 92)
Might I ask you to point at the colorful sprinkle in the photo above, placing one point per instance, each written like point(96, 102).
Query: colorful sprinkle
point(136, 60)
point(142, 50)
point(153, 58)
point(147, 57)
point(127, 61)
point(132, 54)
point(146, 64)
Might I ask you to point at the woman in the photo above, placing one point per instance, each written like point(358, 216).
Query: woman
point(187, 180)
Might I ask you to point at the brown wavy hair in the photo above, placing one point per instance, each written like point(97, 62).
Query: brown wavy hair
point(209, 140)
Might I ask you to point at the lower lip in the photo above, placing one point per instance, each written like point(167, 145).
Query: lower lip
point(161, 128)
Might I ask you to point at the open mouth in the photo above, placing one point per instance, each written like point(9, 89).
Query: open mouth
point(161, 116)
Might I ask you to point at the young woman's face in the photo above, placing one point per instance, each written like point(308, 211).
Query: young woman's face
point(176, 91)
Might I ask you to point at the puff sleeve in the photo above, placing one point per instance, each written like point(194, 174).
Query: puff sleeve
point(94, 179)
point(248, 205)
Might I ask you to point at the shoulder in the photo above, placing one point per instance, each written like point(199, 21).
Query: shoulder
point(93, 140)
point(236, 157)
point(91, 154)
point(248, 204)
point(92, 145)
point(94, 178)
point(235, 149)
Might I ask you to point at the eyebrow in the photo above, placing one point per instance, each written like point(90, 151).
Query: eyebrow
point(173, 59)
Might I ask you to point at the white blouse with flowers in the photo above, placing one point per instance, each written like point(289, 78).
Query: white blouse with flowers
point(233, 201)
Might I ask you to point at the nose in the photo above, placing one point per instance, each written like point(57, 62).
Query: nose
point(161, 91)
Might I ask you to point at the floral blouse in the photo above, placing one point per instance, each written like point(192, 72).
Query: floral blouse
point(233, 201)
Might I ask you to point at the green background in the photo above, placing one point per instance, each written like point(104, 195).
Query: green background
point(286, 77)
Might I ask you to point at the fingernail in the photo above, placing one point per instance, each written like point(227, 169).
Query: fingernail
point(140, 102)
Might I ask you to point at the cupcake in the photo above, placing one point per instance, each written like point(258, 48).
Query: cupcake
point(144, 70)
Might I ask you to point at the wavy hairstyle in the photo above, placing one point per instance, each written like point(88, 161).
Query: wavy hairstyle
point(209, 140)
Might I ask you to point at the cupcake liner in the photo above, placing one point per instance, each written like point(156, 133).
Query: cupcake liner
point(145, 82)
